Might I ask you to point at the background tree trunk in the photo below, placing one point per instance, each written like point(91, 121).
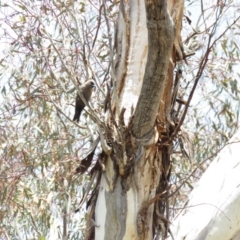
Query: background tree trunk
point(212, 211)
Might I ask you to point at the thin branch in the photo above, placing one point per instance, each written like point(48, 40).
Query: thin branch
point(198, 76)
point(98, 26)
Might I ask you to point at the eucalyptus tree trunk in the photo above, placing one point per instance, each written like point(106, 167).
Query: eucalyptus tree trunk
point(131, 193)
point(212, 209)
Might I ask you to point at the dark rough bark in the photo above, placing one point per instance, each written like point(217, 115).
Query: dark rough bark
point(161, 38)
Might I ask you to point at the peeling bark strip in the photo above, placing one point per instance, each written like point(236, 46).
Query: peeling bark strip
point(160, 37)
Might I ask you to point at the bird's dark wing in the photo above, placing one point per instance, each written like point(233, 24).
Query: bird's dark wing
point(79, 106)
point(77, 115)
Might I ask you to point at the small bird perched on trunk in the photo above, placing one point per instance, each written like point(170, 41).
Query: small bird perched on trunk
point(86, 90)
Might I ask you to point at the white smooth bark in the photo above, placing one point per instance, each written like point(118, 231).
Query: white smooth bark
point(137, 58)
point(134, 60)
point(213, 210)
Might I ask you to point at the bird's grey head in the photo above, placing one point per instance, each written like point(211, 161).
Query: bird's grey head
point(89, 84)
point(92, 83)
